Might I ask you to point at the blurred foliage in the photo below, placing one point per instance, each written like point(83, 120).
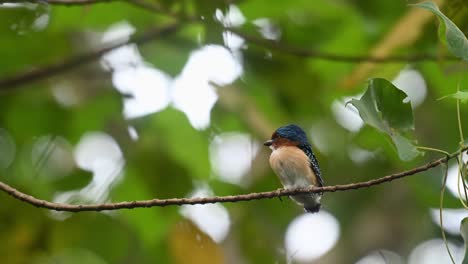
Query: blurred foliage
point(449, 33)
point(462, 96)
point(170, 158)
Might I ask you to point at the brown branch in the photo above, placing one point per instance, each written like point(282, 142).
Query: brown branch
point(60, 2)
point(145, 5)
point(152, 7)
point(218, 199)
point(70, 63)
point(295, 51)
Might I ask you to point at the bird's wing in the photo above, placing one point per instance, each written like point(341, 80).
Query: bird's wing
point(313, 162)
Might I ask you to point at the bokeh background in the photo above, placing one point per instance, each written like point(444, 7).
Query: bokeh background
point(181, 108)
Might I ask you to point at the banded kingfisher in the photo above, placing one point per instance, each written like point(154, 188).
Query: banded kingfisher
point(295, 164)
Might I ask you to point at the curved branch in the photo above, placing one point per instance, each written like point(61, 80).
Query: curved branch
point(73, 62)
point(295, 51)
point(145, 5)
point(60, 2)
point(218, 199)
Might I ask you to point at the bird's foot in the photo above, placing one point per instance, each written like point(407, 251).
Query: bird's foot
point(279, 191)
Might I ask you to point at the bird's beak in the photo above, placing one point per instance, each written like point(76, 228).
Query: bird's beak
point(268, 143)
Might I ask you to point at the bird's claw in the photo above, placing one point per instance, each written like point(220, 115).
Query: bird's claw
point(279, 191)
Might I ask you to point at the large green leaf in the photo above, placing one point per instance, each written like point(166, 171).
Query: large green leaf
point(464, 233)
point(383, 106)
point(454, 38)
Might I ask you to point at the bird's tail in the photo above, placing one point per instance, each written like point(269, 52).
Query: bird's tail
point(311, 202)
point(312, 208)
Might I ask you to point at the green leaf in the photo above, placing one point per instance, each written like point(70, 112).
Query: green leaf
point(464, 234)
point(383, 107)
point(454, 38)
point(396, 112)
point(460, 95)
point(405, 147)
point(368, 110)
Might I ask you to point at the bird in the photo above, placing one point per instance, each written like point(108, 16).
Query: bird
point(295, 164)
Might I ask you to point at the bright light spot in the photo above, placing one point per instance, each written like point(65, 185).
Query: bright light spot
point(122, 58)
point(434, 252)
point(233, 41)
point(232, 18)
point(7, 149)
point(381, 257)
point(192, 92)
point(195, 99)
point(99, 153)
point(412, 83)
point(310, 236)
point(52, 156)
point(125, 56)
point(452, 178)
point(147, 90)
point(212, 219)
point(95, 147)
point(150, 90)
point(451, 218)
point(212, 63)
point(267, 28)
point(65, 94)
point(360, 155)
point(231, 156)
point(347, 116)
point(118, 32)
point(11, 5)
point(25, 5)
point(41, 22)
point(133, 133)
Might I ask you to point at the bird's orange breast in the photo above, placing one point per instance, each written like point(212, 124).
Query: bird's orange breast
point(292, 166)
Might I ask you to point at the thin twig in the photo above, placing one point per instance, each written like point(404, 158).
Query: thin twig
point(73, 62)
point(441, 206)
point(296, 51)
point(150, 6)
point(218, 199)
point(143, 4)
point(60, 2)
point(459, 122)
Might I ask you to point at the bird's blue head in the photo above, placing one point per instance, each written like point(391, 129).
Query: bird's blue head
point(287, 135)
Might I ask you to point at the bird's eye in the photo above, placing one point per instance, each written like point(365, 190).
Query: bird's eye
point(274, 136)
